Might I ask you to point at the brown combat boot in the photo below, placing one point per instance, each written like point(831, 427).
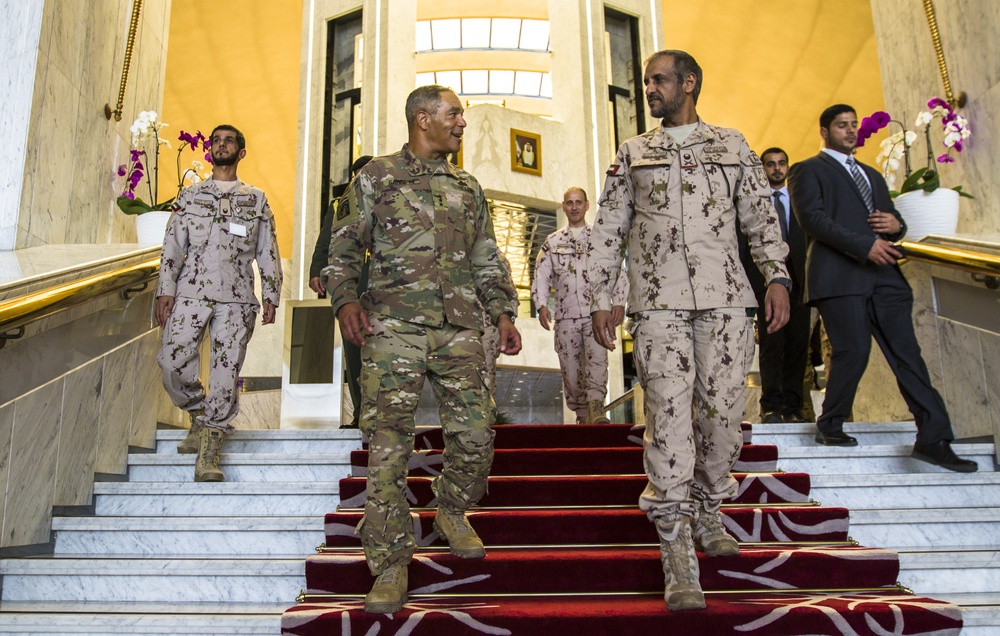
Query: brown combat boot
point(463, 540)
point(189, 445)
point(389, 592)
point(709, 533)
point(680, 566)
point(595, 413)
point(206, 466)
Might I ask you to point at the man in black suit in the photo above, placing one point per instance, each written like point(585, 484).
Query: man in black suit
point(853, 278)
point(783, 354)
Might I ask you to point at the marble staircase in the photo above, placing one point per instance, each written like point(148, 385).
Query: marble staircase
point(945, 525)
point(164, 555)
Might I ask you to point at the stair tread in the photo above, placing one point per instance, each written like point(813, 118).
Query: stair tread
point(170, 435)
point(232, 459)
point(195, 524)
point(216, 488)
point(125, 566)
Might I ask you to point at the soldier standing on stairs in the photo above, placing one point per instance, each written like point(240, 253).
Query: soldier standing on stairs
point(218, 228)
point(434, 268)
point(562, 265)
point(674, 197)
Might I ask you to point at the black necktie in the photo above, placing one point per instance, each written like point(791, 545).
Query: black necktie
point(782, 220)
point(866, 190)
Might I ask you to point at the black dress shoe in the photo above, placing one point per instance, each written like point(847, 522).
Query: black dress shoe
point(941, 454)
point(771, 417)
point(795, 417)
point(839, 438)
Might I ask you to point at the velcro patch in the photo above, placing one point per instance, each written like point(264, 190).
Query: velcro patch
point(615, 170)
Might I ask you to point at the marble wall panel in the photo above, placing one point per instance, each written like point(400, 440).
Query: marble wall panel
point(116, 410)
point(68, 36)
point(33, 464)
point(6, 428)
point(148, 378)
point(991, 366)
point(259, 410)
point(965, 381)
point(78, 436)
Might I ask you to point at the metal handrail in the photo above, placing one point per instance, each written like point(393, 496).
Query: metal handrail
point(19, 311)
point(975, 262)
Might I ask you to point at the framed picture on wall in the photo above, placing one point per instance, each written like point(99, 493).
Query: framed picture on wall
point(525, 152)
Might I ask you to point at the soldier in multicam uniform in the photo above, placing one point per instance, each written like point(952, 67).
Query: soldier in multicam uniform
point(433, 261)
point(562, 264)
point(674, 197)
point(218, 228)
point(491, 335)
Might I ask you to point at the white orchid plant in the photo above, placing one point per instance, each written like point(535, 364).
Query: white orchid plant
point(896, 147)
point(143, 167)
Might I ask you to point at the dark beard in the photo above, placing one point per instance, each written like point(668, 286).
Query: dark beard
point(666, 108)
point(225, 161)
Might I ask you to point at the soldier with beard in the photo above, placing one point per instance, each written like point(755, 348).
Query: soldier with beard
point(218, 228)
point(673, 201)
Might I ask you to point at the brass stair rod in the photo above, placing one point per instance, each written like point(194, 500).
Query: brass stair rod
point(949, 96)
point(129, 46)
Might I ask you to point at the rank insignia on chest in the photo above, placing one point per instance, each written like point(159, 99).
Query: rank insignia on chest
point(687, 159)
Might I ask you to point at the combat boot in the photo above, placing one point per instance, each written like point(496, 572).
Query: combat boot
point(709, 533)
point(462, 538)
point(680, 566)
point(595, 413)
point(206, 466)
point(389, 592)
point(189, 445)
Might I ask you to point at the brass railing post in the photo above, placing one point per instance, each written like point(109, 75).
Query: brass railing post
point(949, 96)
point(129, 46)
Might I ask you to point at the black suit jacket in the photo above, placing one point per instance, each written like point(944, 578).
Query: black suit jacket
point(831, 210)
point(796, 262)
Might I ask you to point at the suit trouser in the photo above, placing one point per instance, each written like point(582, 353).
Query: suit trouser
point(887, 315)
point(783, 361)
point(397, 357)
point(692, 366)
point(583, 362)
point(230, 326)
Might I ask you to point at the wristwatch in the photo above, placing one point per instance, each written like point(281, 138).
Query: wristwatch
point(509, 314)
point(787, 283)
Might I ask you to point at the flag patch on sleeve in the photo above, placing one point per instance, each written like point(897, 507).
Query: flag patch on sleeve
point(616, 170)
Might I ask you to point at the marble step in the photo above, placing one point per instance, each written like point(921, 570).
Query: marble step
point(980, 612)
point(214, 499)
point(182, 536)
point(205, 619)
point(190, 580)
point(950, 571)
point(873, 459)
point(913, 490)
point(311, 441)
point(311, 467)
point(964, 528)
point(804, 433)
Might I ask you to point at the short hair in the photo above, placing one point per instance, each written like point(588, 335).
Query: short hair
point(425, 98)
point(831, 113)
point(577, 188)
point(241, 141)
point(773, 150)
point(684, 64)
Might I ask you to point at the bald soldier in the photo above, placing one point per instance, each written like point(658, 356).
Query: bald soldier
point(434, 270)
point(675, 197)
point(562, 265)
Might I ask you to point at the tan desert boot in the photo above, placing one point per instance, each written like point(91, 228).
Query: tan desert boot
point(206, 466)
point(463, 540)
point(389, 592)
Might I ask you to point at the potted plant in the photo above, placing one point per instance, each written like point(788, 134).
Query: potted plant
point(143, 168)
point(924, 204)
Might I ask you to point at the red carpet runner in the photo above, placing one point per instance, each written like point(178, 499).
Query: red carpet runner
point(569, 552)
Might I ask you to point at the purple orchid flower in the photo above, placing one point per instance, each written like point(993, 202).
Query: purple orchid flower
point(945, 158)
point(934, 102)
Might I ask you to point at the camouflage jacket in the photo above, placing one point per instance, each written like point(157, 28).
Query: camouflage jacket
point(433, 251)
point(562, 264)
point(676, 208)
point(212, 239)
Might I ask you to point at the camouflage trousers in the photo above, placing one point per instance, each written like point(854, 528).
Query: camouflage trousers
point(397, 357)
point(491, 347)
point(230, 326)
point(692, 366)
point(583, 362)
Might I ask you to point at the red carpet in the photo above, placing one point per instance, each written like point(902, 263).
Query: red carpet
point(569, 551)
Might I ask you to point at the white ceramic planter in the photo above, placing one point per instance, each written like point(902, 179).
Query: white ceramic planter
point(150, 228)
point(929, 212)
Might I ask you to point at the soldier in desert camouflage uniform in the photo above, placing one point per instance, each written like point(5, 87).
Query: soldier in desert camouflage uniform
point(562, 264)
point(674, 197)
point(433, 261)
point(218, 228)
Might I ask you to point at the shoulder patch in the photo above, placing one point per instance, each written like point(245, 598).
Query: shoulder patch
point(615, 170)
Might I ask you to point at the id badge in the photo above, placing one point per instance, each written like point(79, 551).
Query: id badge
point(237, 230)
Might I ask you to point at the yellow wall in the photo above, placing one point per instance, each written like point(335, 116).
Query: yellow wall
point(237, 62)
point(772, 67)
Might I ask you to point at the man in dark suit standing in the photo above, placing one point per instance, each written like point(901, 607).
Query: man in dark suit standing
point(783, 354)
point(853, 278)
